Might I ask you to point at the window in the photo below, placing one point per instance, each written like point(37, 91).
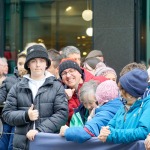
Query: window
point(48, 22)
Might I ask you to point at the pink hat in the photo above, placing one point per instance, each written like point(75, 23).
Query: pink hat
point(106, 91)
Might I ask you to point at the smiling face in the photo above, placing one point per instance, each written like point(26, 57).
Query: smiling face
point(37, 68)
point(71, 78)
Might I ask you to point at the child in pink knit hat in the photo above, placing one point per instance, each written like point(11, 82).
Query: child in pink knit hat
point(106, 91)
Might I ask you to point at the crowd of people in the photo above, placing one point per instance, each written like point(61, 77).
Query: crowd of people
point(59, 92)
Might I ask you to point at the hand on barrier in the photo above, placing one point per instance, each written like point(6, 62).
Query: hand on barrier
point(147, 142)
point(31, 134)
point(104, 133)
point(63, 130)
point(33, 114)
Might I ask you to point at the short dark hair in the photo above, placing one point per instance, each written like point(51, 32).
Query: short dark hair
point(53, 54)
point(132, 66)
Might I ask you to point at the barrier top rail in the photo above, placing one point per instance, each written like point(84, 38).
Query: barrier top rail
point(48, 141)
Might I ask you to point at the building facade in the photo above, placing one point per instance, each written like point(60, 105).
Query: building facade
point(120, 28)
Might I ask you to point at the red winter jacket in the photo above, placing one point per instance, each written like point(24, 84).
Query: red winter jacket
point(74, 102)
point(88, 76)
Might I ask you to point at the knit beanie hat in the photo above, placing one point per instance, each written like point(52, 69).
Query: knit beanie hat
point(135, 82)
point(103, 71)
point(36, 51)
point(106, 91)
point(94, 53)
point(69, 63)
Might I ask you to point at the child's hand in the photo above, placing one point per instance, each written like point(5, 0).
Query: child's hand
point(31, 134)
point(63, 130)
point(104, 133)
point(33, 113)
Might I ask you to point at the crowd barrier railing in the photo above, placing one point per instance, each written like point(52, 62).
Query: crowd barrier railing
point(48, 141)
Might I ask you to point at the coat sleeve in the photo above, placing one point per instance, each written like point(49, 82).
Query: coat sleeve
point(60, 113)
point(10, 113)
point(3, 91)
point(77, 134)
point(80, 135)
point(100, 119)
point(133, 133)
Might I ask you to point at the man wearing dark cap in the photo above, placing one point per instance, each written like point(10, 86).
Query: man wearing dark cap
point(96, 53)
point(37, 103)
point(73, 76)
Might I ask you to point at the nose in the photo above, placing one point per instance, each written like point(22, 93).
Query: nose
point(67, 74)
point(37, 63)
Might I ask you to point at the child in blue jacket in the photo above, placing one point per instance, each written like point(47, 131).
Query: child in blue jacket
point(106, 95)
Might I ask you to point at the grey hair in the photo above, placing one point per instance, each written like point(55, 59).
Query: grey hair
point(88, 87)
point(66, 51)
point(4, 60)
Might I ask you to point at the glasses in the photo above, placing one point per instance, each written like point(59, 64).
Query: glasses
point(71, 71)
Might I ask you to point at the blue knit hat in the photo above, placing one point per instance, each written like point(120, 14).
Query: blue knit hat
point(135, 82)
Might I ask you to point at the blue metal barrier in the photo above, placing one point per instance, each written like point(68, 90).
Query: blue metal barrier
point(47, 141)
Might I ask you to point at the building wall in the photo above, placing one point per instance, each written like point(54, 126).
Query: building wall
point(113, 26)
point(1, 28)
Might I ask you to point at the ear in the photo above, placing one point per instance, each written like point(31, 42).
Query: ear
point(128, 95)
point(124, 92)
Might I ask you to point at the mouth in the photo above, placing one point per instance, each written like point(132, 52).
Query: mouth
point(70, 80)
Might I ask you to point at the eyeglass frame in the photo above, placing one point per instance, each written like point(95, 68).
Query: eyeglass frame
point(71, 71)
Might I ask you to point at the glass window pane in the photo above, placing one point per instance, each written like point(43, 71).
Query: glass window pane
point(46, 21)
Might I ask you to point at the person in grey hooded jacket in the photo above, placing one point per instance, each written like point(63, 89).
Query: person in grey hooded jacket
point(37, 103)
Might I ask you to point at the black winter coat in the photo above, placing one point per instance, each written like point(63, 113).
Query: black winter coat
point(50, 101)
point(7, 84)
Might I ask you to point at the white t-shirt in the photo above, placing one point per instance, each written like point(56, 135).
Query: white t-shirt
point(34, 85)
